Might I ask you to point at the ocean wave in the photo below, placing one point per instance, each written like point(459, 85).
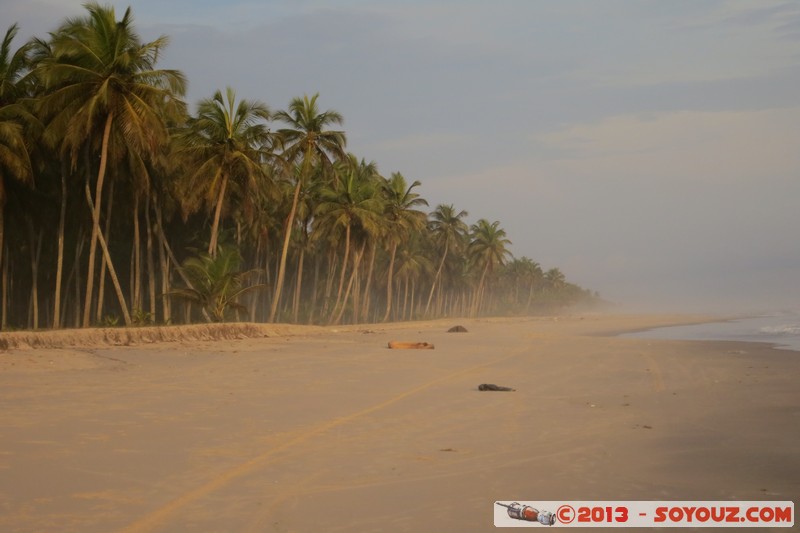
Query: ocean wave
point(785, 329)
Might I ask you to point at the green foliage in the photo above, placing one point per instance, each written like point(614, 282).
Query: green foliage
point(216, 282)
point(140, 317)
point(110, 321)
point(87, 107)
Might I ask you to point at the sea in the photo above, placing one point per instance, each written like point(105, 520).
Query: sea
point(782, 329)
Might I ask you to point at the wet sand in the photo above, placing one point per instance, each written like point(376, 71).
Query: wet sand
point(326, 429)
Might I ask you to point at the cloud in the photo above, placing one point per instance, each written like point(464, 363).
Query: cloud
point(694, 207)
point(642, 147)
point(716, 147)
point(429, 143)
point(30, 15)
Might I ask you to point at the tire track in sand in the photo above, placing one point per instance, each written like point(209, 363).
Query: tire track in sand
point(159, 516)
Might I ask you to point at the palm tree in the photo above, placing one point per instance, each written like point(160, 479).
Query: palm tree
point(555, 279)
point(350, 203)
point(13, 67)
point(101, 82)
point(225, 140)
point(14, 158)
point(216, 282)
point(525, 271)
point(488, 247)
point(306, 211)
point(413, 262)
point(309, 141)
point(448, 228)
point(402, 220)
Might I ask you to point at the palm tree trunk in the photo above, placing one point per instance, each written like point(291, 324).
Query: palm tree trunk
point(389, 282)
point(479, 292)
point(329, 283)
point(101, 174)
point(357, 287)
point(212, 242)
point(111, 271)
point(166, 311)
point(35, 293)
point(285, 250)
point(356, 261)
point(413, 299)
point(164, 261)
point(60, 261)
point(299, 285)
point(344, 267)
point(436, 277)
point(171, 256)
point(101, 288)
point(136, 271)
point(368, 285)
point(314, 289)
point(76, 268)
point(267, 271)
point(256, 259)
point(35, 252)
point(530, 299)
point(405, 299)
point(151, 269)
point(4, 297)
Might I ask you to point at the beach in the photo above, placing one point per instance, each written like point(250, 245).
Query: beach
point(326, 429)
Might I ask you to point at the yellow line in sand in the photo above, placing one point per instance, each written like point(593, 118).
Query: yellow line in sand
point(153, 519)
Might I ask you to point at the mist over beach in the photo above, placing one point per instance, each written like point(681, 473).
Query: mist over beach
point(375, 266)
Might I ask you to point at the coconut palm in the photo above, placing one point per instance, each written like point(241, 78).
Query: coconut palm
point(448, 229)
point(224, 141)
point(216, 282)
point(351, 202)
point(101, 83)
point(413, 264)
point(487, 248)
point(525, 271)
point(14, 158)
point(13, 67)
point(555, 279)
point(402, 219)
point(310, 197)
point(306, 140)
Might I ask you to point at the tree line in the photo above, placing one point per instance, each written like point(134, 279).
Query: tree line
point(119, 206)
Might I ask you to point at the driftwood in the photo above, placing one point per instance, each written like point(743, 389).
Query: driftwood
point(492, 386)
point(397, 345)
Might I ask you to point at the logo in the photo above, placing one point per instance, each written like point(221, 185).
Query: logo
point(645, 514)
point(527, 513)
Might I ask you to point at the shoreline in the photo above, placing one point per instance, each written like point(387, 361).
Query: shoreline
point(145, 335)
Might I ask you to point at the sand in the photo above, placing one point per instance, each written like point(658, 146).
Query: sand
point(326, 429)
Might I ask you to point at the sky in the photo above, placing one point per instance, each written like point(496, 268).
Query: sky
point(650, 150)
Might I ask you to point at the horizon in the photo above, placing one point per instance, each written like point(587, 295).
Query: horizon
point(648, 151)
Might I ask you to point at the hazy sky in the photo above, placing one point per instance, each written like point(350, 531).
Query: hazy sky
point(648, 149)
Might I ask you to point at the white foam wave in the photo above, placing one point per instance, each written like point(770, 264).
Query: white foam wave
point(785, 329)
